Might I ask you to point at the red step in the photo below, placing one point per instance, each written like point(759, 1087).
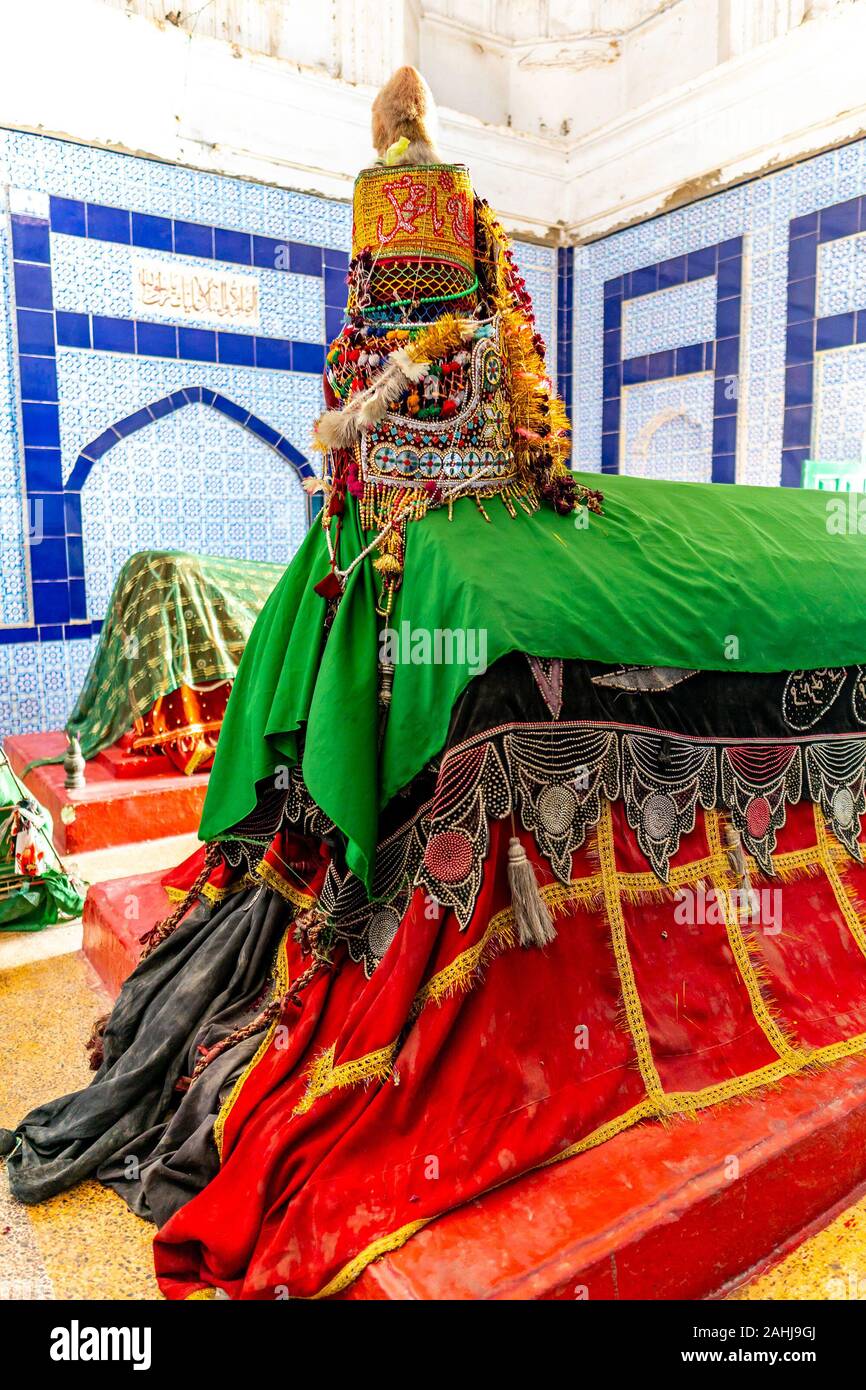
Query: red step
point(109, 809)
point(683, 1211)
point(116, 914)
point(655, 1213)
point(126, 763)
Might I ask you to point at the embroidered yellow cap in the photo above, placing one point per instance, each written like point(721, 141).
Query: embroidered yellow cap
point(415, 213)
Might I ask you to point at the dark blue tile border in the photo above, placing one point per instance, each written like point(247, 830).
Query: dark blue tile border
point(565, 324)
point(236, 247)
point(192, 239)
point(166, 405)
point(100, 222)
point(807, 334)
point(67, 215)
point(153, 233)
point(50, 632)
point(720, 355)
point(56, 553)
point(40, 419)
point(108, 223)
point(147, 338)
point(30, 239)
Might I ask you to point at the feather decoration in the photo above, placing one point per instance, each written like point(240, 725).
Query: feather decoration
point(340, 428)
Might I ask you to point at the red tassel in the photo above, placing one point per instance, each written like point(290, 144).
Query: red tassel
point(330, 586)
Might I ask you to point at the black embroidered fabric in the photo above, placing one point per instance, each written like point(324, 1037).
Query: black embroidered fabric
point(546, 742)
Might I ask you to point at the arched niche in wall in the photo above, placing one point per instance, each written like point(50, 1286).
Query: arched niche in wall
point(673, 433)
point(191, 471)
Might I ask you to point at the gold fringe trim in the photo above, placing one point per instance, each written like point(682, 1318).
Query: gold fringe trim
point(737, 1087)
point(457, 977)
point(200, 1296)
point(848, 908)
point(657, 1104)
point(264, 871)
point(274, 879)
point(800, 863)
point(838, 1052)
point(324, 1076)
point(601, 889)
point(686, 1103)
point(791, 864)
point(210, 894)
point(538, 416)
point(645, 886)
point(634, 1015)
point(383, 1246)
point(746, 952)
point(280, 974)
point(461, 973)
point(644, 1110)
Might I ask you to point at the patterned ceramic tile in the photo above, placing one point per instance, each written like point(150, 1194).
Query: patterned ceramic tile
point(668, 428)
point(146, 185)
point(137, 497)
point(39, 682)
point(13, 574)
point(761, 212)
point(537, 264)
point(194, 479)
point(839, 421)
point(669, 318)
point(841, 283)
point(98, 388)
point(98, 277)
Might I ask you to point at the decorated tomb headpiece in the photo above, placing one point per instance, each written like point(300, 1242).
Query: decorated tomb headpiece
point(438, 380)
point(413, 240)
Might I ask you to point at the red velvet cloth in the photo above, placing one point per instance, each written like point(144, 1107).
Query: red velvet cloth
point(521, 1054)
point(184, 726)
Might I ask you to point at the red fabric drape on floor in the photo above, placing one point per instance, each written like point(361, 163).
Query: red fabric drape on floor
point(465, 1060)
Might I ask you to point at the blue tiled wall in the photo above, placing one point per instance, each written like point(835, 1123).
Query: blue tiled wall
point(120, 433)
point(726, 341)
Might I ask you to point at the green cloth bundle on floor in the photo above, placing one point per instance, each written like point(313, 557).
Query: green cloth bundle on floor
point(35, 890)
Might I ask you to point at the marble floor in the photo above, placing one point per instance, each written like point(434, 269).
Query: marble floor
point(86, 1243)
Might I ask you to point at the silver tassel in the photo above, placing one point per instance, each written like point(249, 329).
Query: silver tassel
point(534, 923)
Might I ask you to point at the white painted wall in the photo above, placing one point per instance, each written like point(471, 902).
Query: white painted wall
point(576, 116)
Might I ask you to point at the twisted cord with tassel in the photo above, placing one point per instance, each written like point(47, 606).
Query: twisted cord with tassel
point(309, 927)
point(95, 1045)
point(160, 931)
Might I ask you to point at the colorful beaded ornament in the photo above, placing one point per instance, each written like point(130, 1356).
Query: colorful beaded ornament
point(438, 380)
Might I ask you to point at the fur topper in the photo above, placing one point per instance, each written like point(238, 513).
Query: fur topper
point(404, 111)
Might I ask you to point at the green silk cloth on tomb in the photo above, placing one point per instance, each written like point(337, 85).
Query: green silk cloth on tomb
point(173, 619)
point(673, 574)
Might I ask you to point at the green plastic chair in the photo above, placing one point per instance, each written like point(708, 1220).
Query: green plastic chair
point(835, 476)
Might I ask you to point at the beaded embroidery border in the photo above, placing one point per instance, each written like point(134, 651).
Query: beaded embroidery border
point(557, 777)
point(449, 452)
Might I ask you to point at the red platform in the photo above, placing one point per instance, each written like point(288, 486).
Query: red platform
point(111, 809)
point(656, 1213)
point(652, 1214)
point(116, 914)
